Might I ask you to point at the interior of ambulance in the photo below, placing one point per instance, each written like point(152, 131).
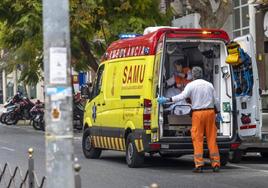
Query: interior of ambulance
point(210, 57)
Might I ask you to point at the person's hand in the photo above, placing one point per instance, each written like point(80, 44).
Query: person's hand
point(162, 100)
point(179, 86)
point(219, 118)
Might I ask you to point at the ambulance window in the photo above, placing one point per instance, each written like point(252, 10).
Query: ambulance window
point(98, 83)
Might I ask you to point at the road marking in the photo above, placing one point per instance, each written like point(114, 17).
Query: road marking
point(77, 138)
point(6, 148)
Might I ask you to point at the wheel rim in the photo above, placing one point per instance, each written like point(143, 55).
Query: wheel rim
point(88, 143)
point(130, 150)
point(10, 118)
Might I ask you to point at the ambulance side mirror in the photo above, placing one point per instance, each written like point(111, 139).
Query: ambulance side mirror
point(85, 91)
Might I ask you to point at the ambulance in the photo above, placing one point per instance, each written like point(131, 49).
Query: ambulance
point(122, 112)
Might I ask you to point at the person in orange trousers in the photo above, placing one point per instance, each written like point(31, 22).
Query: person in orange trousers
point(203, 123)
point(203, 99)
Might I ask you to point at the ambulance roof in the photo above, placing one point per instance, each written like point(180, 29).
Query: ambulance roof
point(146, 44)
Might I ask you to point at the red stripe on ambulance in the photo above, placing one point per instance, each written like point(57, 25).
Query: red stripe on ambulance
point(247, 127)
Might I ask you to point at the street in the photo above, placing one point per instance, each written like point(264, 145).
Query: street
point(111, 170)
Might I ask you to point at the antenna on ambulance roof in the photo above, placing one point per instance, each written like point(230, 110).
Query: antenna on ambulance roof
point(148, 30)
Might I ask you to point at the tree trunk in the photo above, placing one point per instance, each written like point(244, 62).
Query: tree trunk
point(91, 59)
point(212, 17)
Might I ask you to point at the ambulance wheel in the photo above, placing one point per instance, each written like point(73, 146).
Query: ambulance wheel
point(134, 158)
point(224, 158)
point(89, 150)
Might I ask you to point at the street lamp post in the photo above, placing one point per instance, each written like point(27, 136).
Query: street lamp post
point(58, 94)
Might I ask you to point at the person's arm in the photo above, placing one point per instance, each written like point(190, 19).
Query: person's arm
point(184, 94)
point(216, 102)
point(171, 81)
point(181, 74)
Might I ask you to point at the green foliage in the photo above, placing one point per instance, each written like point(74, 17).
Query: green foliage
point(21, 35)
point(94, 25)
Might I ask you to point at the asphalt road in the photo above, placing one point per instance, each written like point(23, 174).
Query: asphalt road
point(111, 171)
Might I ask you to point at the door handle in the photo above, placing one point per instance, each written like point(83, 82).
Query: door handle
point(103, 104)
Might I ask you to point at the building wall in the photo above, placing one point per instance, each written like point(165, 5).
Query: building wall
point(10, 86)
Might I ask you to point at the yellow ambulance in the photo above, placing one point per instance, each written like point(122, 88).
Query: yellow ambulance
point(122, 112)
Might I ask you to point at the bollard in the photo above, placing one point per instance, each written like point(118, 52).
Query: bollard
point(154, 185)
point(31, 168)
point(77, 178)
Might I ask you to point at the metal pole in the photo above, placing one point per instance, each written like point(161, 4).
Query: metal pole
point(15, 81)
point(77, 177)
point(4, 77)
point(31, 168)
point(58, 94)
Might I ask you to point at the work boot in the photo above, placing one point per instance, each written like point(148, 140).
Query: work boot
point(216, 169)
point(198, 169)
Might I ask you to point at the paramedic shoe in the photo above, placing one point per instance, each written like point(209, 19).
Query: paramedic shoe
point(216, 169)
point(198, 169)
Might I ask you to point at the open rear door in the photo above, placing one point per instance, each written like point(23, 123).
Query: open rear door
point(157, 110)
point(249, 116)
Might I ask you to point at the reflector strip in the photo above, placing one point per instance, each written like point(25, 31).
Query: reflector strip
point(114, 143)
point(248, 127)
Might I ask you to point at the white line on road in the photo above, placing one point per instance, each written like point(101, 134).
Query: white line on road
point(6, 148)
point(77, 138)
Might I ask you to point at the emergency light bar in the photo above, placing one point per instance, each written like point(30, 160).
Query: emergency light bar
point(126, 36)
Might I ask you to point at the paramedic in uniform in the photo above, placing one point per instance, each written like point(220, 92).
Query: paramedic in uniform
point(181, 76)
point(202, 95)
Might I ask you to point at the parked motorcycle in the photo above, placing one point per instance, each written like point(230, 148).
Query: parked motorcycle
point(21, 111)
point(78, 112)
point(37, 113)
point(10, 106)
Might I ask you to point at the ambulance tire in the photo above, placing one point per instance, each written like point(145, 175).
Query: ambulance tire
point(224, 158)
point(88, 149)
point(134, 158)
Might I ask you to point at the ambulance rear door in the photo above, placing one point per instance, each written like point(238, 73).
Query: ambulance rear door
point(157, 110)
point(249, 116)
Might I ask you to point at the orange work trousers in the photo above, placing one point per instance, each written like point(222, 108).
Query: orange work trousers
point(203, 122)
